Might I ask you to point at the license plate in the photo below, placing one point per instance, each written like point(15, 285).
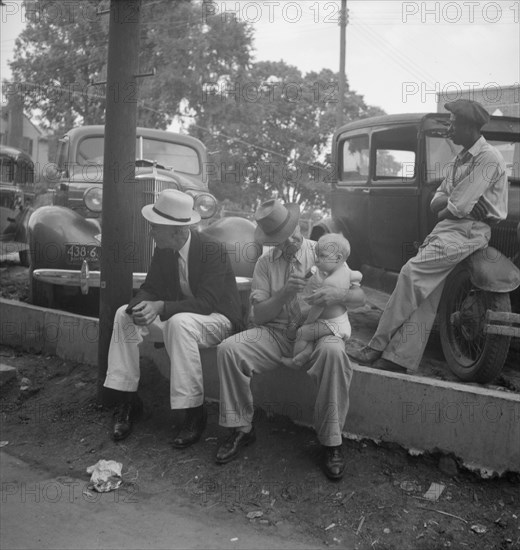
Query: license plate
point(76, 253)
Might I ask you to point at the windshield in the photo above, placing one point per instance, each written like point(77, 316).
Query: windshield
point(166, 153)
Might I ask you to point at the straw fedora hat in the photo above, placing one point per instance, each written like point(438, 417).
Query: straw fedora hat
point(172, 207)
point(276, 222)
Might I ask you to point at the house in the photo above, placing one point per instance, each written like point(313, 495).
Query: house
point(17, 130)
point(498, 100)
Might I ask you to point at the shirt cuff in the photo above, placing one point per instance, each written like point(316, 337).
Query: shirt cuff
point(455, 211)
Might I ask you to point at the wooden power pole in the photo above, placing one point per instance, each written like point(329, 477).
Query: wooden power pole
point(118, 170)
point(342, 58)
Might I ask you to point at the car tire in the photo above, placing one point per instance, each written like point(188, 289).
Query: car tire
point(471, 354)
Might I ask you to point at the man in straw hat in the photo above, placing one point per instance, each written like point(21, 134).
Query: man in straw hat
point(189, 300)
point(472, 196)
point(278, 277)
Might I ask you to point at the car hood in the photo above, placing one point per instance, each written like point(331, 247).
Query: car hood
point(93, 174)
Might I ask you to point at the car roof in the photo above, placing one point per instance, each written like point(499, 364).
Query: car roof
point(14, 153)
point(411, 118)
point(99, 129)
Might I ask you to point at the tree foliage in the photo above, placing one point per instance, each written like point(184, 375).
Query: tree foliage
point(267, 126)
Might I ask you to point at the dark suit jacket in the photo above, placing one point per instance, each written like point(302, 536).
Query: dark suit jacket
point(211, 279)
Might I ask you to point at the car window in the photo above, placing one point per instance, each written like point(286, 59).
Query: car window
point(354, 157)
point(394, 164)
point(394, 155)
point(511, 153)
point(440, 152)
point(171, 155)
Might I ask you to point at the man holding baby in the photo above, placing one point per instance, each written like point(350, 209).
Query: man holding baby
point(280, 317)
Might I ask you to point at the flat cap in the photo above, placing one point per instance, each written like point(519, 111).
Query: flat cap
point(469, 110)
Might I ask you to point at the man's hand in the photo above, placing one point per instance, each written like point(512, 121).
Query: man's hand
point(439, 204)
point(145, 312)
point(479, 211)
point(293, 285)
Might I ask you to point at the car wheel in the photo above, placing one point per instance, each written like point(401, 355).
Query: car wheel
point(40, 294)
point(471, 354)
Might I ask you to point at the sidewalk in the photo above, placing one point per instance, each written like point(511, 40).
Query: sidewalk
point(40, 510)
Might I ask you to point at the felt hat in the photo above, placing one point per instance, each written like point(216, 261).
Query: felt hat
point(172, 207)
point(275, 221)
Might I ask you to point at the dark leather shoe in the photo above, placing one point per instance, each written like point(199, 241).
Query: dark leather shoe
point(125, 414)
point(333, 462)
point(230, 448)
point(192, 427)
point(365, 356)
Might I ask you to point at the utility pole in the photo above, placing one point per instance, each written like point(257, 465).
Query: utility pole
point(118, 171)
point(342, 56)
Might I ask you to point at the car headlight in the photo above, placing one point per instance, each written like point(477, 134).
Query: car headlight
point(93, 199)
point(205, 204)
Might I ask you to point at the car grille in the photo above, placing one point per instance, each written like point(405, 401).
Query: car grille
point(503, 238)
point(147, 191)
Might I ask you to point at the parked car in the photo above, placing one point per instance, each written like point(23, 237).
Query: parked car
point(16, 194)
point(386, 170)
point(65, 237)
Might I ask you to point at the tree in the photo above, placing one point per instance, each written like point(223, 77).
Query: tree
point(271, 127)
point(266, 125)
point(61, 55)
point(57, 57)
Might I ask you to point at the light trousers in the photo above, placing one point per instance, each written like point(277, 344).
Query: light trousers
point(258, 350)
point(406, 322)
point(183, 334)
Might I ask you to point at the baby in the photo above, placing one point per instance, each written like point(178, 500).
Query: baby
point(332, 251)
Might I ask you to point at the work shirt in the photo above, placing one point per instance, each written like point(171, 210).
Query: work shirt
point(479, 171)
point(271, 273)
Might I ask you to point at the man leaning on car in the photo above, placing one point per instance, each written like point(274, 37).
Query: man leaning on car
point(472, 196)
point(189, 300)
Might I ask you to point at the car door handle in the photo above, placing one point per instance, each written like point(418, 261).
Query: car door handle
point(366, 191)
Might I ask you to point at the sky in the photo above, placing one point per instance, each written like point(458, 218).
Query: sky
point(398, 53)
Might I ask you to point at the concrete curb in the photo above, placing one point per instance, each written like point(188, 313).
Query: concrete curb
point(478, 425)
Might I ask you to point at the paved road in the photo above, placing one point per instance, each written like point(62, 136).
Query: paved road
point(41, 511)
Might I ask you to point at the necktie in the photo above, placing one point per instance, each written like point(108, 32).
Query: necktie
point(460, 160)
point(294, 312)
point(176, 286)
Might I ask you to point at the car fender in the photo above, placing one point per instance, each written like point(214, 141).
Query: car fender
point(490, 270)
point(51, 228)
point(323, 226)
point(22, 225)
point(237, 236)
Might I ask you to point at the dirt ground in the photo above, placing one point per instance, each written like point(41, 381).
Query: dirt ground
point(52, 420)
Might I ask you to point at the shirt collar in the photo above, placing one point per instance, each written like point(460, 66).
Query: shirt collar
point(474, 150)
point(183, 252)
point(277, 253)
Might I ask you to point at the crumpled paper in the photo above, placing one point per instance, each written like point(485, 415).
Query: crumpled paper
point(106, 475)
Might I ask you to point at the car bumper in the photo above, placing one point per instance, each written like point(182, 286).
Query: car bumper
point(502, 323)
point(85, 279)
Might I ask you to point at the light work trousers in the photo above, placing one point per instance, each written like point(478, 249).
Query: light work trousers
point(183, 334)
point(406, 322)
point(258, 350)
